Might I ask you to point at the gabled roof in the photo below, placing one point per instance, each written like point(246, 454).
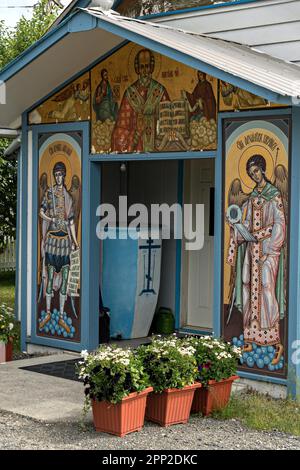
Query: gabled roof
point(90, 34)
point(69, 9)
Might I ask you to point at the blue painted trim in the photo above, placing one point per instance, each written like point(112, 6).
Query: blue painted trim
point(193, 331)
point(88, 316)
point(261, 378)
point(294, 258)
point(18, 236)
point(218, 235)
point(23, 229)
point(180, 185)
point(56, 343)
point(151, 156)
point(253, 113)
point(194, 9)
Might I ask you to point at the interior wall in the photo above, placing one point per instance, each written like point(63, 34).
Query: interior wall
point(147, 183)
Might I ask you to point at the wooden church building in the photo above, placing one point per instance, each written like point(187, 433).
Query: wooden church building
point(182, 102)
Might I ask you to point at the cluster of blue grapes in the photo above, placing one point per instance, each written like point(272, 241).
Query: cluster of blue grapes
point(53, 328)
point(260, 356)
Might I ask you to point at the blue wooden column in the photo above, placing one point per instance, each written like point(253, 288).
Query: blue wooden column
point(90, 274)
point(293, 382)
point(23, 203)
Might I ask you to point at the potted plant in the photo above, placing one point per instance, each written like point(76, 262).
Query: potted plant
point(172, 370)
point(217, 363)
point(116, 386)
point(7, 333)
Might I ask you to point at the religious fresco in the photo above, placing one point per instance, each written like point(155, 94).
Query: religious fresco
point(233, 98)
point(72, 103)
point(255, 241)
point(153, 104)
point(59, 236)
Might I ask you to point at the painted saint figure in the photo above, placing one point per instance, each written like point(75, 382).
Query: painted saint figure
point(259, 265)
point(238, 98)
point(58, 239)
point(136, 126)
point(201, 102)
point(104, 104)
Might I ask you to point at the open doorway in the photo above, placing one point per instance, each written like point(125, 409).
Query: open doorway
point(158, 182)
point(147, 183)
point(197, 265)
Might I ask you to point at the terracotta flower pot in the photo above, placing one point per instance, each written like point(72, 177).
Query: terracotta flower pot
point(172, 406)
point(9, 351)
point(6, 351)
point(213, 397)
point(121, 418)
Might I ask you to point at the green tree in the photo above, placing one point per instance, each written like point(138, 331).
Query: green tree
point(15, 41)
point(12, 43)
point(8, 195)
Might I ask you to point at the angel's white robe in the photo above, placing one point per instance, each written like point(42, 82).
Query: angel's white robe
point(265, 219)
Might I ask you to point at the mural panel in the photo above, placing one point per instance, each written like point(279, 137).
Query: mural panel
point(233, 98)
point(256, 218)
point(153, 104)
point(72, 103)
point(59, 236)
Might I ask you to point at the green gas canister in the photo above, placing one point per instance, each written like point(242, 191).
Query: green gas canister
point(164, 321)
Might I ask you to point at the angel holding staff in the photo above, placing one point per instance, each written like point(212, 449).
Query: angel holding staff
point(257, 277)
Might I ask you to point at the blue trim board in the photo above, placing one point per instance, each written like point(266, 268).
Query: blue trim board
point(86, 327)
point(193, 331)
point(218, 234)
point(23, 229)
point(115, 157)
point(18, 237)
point(180, 187)
point(261, 378)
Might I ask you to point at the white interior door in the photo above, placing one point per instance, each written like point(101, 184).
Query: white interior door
point(198, 264)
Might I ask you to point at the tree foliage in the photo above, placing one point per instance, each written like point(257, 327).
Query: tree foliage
point(16, 40)
point(8, 195)
point(13, 42)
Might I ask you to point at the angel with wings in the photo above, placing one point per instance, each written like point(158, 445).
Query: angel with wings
point(67, 100)
point(59, 212)
point(258, 267)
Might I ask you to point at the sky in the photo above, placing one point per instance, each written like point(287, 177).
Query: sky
point(11, 12)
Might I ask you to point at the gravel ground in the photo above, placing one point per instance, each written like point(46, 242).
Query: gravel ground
point(17, 356)
point(18, 432)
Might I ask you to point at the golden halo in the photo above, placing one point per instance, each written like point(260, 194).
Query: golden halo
point(131, 70)
point(59, 157)
point(248, 153)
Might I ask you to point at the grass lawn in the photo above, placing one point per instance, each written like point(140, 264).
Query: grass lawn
point(263, 413)
point(7, 288)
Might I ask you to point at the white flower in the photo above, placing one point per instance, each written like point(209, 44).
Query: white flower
point(84, 354)
point(11, 325)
